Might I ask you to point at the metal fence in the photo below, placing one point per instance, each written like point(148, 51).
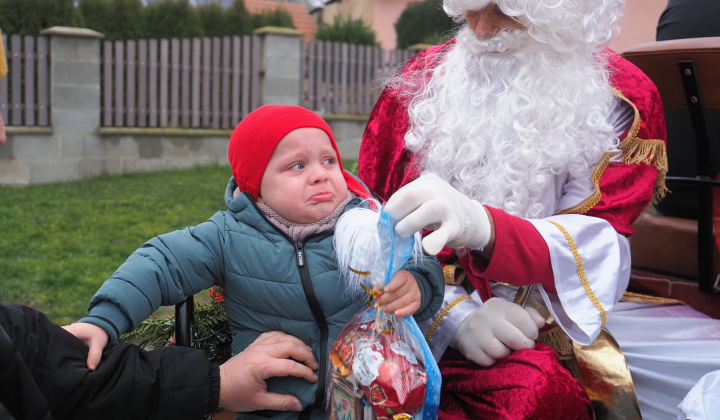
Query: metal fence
point(24, 91)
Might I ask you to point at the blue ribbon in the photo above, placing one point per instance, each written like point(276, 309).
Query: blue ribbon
point(398, 251)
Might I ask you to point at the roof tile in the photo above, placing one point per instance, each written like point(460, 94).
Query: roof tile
point(304, 22)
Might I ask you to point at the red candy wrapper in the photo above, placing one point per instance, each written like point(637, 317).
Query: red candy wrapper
point(382, 363)
point(381, 367)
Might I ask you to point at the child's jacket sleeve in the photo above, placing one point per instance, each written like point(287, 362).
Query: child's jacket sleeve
point(163, 271)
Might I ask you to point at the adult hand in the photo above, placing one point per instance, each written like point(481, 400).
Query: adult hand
point(401, 296)
point(242, 378)
point(495, 329)
point(431, 203)
point(94, 337)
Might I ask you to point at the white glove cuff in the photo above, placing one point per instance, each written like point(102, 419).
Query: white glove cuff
point(455, 340)
point(480, 237)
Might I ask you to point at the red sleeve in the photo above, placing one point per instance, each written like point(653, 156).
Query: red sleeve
point(520, 257)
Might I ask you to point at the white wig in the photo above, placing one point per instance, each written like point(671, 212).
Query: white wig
point(594, 21)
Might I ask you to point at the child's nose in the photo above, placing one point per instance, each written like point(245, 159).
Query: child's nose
point(319, 173)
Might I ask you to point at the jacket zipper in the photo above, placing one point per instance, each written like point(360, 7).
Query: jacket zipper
point(307, 285)
point(319, 318)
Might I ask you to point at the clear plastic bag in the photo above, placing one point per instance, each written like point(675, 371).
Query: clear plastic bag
point(381, 367)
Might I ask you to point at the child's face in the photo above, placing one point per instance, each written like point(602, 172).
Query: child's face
point(303, 181)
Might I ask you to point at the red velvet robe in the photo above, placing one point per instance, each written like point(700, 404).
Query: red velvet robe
point(528, 383)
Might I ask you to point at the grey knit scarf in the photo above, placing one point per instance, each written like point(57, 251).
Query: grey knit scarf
point(299, 231)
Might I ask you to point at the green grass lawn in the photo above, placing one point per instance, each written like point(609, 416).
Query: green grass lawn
point(59, 242)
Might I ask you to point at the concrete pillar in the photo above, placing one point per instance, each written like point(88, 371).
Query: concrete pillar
point(75, 100)
point(281, 66)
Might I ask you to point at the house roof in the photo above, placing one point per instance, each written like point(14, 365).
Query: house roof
point(304, 23)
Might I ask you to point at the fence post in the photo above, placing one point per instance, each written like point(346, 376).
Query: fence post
point(280, 54)
point(74, 104)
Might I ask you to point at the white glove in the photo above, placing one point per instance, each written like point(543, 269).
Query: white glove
point(495, 329)
point(431, 203)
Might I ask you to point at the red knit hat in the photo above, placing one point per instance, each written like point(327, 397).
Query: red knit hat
point(254, 139)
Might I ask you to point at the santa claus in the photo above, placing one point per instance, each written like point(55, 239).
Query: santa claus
point(527, 149)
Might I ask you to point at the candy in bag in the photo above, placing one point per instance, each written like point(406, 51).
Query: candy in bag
point(381, 367)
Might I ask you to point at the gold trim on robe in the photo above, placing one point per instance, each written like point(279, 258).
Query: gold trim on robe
point(442, 314)
point(581, 273)
point(634, 150)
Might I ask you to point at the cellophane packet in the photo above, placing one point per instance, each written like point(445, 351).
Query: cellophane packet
point(380, 365)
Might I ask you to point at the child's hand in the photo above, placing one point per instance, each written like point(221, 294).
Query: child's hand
point(93, 336)
point(401, 296)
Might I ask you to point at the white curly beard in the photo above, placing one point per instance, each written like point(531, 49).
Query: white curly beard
point(501, 119)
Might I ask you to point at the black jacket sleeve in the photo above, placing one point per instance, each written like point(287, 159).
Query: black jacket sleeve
point(43, 375)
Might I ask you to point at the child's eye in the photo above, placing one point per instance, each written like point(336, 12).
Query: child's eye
point(297, 166)
point(329, 161)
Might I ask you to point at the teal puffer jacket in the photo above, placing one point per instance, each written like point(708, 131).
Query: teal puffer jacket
point(270, 282)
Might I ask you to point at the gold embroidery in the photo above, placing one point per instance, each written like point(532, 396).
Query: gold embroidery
point(581, 273)
point(633, 294)
point(656, 300)
point(442, 314)
point(635, 127)
point(634, 150)
point(594, 198)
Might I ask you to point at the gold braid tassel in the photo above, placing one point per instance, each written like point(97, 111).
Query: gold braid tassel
point(652, 153)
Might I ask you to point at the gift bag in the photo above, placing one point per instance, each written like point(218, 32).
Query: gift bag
point(381, 367)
